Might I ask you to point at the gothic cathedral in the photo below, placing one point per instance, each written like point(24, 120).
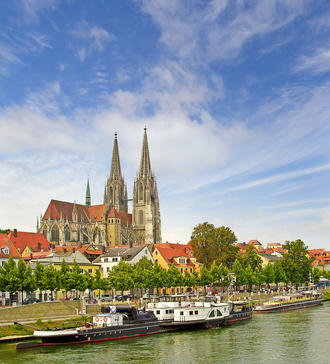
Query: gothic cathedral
point(109, 224)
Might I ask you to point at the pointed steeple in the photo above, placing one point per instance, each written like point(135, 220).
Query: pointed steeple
point(115, 171)
point(145, 166)
point(88, 194)
point(115, 192)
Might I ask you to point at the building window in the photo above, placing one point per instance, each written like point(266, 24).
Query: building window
point(140, 217)
point(71, 270)
point(190, 270)
point(181, 270)
point(90, 270)
point(6, 250)
point(67, 233)
point(141, 192)
point(182, 261)
point(105, 260)
point(55, 236)
point(82, 270)
point(115, 259)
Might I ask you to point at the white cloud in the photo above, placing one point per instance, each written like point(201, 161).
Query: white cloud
point(316, 63)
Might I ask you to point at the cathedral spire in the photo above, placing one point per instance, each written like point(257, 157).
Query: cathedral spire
point(115, 192)
point(88, 194)
point(115, 171)
point(145, 166)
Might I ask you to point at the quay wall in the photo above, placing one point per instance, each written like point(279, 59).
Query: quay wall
point(45, 311)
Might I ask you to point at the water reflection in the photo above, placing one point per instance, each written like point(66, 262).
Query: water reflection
point(290, 337)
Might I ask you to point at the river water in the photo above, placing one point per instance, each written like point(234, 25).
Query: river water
point(300, 336)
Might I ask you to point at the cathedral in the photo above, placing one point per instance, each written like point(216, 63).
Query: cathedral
point(109, 224)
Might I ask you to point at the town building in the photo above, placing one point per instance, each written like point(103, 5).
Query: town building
point(129, 254)
point(109, 224)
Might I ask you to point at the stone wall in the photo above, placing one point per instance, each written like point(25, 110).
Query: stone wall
point(42, 310)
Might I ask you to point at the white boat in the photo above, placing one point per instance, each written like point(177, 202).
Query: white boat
point(178, 312)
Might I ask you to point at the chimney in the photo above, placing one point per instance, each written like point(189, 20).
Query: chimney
point(73, 250)
point(38, 246)
point(15, 233)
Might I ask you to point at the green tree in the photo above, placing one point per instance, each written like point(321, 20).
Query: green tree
point(175, 278)
point(269, 274)
point(66, 280)
point(39, 276)
point(296, 262)
point(51, 279)
point(4, 231)
point(159, 276)
point(205, 277)
point(316, 274)
point(101, 284)
point(279, 273)
point(225, 246)
point(121, 276)
point(26, 280)
point(88, 282)
point(78, 278)
point(10, 276)
point(202, 243)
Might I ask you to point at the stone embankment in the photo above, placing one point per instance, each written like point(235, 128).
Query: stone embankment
point(46, 311)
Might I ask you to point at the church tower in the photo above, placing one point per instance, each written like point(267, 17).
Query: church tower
point(115, 193)
point(88, 195)
point(146, 211)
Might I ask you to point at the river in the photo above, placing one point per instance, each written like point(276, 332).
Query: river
point(300, 336)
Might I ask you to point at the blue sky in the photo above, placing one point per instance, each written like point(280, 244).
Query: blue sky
point(235, 96)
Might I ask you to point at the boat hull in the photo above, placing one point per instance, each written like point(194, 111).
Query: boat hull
point(239, 316)
point(288, 306)
point(89, 335)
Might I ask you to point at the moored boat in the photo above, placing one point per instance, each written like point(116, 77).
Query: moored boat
point(178, 312)
point(112, 323)
point(290, 302)
point(239, 311)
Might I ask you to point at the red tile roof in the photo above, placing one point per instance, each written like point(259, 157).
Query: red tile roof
point(56, 209)
point(170, 253)
point(36, 241)
point(4, 241)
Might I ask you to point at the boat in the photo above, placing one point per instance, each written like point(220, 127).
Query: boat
point(178, 312)
point(112, 323)
point(290, 302)
point(239, 311)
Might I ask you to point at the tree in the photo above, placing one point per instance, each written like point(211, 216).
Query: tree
point(66, 280)
point(269, 274)
point(51, 278)
point(121, 277)
point(101, 284)
point(205, 277)
point(296, 262)
point(225, 245)
point(26, 280)
point(159, 276)
point(10, 276)
point(39, 276)
point(175, 278)
point(202, 243)
point(4, 231)
point(279, 274)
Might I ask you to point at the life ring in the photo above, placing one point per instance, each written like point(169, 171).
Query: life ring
point(105, 319)
point(97, 319)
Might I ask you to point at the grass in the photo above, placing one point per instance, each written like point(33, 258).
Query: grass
point(17, 330)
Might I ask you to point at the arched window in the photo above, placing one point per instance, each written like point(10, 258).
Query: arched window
point(140, 217)
point(55, 236)
point(85, 238)
point(96, 234)
point(67, 233)
point(141, 192)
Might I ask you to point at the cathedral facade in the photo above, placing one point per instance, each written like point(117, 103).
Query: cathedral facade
point(109, 224)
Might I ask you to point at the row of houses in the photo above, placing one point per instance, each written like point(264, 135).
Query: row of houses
point(33, 247)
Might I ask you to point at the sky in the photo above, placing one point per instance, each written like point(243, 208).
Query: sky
point(235, 96)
